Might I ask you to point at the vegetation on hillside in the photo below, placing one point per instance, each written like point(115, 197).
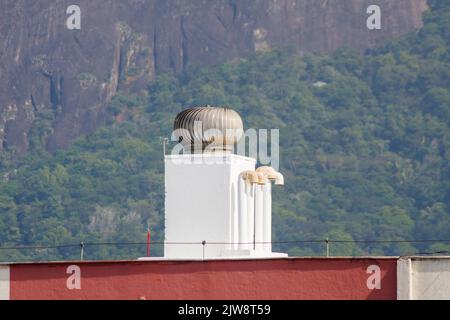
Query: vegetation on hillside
point(365, 150)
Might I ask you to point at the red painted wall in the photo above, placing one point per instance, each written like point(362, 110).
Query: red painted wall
point(296, 278)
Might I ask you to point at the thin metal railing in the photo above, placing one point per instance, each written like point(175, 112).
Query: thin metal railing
point(328, 242)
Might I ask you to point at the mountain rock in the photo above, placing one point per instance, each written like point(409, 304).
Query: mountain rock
point(67, 77)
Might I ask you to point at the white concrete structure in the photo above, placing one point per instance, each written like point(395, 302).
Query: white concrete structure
point(217, 205)
point(267, 216)
point(243, 189)
point(423, 278)
point(208, 200)
point(4, 282)
point(249, 198)
point(259, 215)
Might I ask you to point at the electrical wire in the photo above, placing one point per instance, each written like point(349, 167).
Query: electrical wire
point(328, 241)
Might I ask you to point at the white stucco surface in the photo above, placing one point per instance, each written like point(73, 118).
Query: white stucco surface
point(423, 278)
point(4, 283)
point(201, 193)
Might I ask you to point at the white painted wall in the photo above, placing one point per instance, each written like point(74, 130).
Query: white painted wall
point(201, 202)
point(267, 217)
point(4, 282)
point(423, 278)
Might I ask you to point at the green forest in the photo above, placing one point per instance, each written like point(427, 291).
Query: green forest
point(364, 148)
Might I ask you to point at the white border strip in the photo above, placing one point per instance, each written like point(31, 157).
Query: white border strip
point(4, 282)
point(404, 279)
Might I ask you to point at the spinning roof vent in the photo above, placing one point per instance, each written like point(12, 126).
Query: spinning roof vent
point(204, 129)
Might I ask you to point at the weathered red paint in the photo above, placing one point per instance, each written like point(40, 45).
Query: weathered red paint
point(297, 278)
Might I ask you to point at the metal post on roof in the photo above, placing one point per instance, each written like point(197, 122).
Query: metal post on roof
point(164, 141)
point(327, 242)
point(81, 250)
point(204, 248)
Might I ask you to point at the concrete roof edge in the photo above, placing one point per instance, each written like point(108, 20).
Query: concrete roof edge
point(200, 260)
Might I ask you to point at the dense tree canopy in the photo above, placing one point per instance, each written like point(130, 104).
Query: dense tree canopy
point(365, 149)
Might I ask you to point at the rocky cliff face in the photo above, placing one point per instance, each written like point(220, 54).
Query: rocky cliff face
point(70, 75)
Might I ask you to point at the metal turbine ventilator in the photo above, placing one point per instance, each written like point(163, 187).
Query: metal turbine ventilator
point(208, 129)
